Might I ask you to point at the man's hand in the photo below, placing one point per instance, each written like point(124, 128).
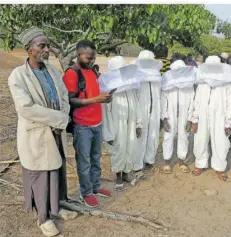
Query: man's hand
point(104, 98)
point(166, 125)
point(227, 131)
point(188, 126)
point(194, 127)
point(110, 143)
point(138, 132)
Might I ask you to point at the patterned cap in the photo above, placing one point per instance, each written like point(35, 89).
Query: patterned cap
point(29, 34)
point(224, 55)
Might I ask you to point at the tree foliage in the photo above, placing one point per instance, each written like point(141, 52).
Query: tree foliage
point(108, 25)
point(212, 44)
point(179, 48)
point(215, 46)
point(224, 28)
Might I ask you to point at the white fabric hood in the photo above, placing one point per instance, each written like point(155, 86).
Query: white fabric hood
point(180, 76)
point(213, 72)
point(147, 64)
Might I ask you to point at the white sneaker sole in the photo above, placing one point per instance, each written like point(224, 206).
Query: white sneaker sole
point(101, 195)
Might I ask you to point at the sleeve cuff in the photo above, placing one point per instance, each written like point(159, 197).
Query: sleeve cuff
point(139, 125)
point(190, 119)
point(164, 116)
point(194, 120)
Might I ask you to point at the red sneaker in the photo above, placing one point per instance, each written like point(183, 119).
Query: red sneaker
point(90, 201)
point(103, 192)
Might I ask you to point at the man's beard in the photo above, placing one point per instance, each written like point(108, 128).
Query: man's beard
point(44, 60)
point(85, 66)
point(44, 56)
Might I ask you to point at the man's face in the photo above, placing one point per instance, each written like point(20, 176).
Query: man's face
point(39, 49)
point(86, 57)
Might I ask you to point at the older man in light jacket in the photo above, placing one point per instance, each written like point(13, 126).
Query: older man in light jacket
point(41, 102)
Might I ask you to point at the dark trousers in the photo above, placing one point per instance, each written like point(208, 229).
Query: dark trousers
point(62, 170)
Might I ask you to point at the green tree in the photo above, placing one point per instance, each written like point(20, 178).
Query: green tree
point(224, 28)
point(109, 26)
point(179, 48)
point(212, 44)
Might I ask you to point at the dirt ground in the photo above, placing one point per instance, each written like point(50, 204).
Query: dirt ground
point(177, 200)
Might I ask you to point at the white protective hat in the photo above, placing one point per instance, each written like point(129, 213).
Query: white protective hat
point(146, 54)
point(180, 76)
point(213, 60)
point(116, 63)
point(146, 60)
point(213, 72)
point(177, 64)
point(212, 65)
point(147, 64)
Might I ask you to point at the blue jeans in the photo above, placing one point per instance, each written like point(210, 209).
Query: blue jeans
point(87, 144)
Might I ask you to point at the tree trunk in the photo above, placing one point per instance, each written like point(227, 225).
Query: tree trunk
point(67, 61)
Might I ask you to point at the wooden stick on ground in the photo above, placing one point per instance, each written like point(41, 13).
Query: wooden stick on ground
point(112, 215)
point(8, 164)
point(11, 203)
point(15, 186)
point(9, 161)
point(71, 166)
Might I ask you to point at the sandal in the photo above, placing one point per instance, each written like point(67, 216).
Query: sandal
point(126, 177)
point(140, 175)
point(167, 169)
point(222, 176)
point(119, 187)
point(184, 168)
point(197, 171)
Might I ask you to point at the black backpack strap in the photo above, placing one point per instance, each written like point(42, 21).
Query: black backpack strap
point(81, 81)
point(96, 72)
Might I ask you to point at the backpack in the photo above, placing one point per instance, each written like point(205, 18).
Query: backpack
point(81, 88)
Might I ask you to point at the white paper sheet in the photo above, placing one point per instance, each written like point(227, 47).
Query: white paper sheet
point(125, 78)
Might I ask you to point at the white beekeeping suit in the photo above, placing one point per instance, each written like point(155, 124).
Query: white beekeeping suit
point(212, 115)
point(148, 96)
point(176, 111)
point(120, 120)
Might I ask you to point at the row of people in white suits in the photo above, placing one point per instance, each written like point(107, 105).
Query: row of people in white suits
point(143, 97)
